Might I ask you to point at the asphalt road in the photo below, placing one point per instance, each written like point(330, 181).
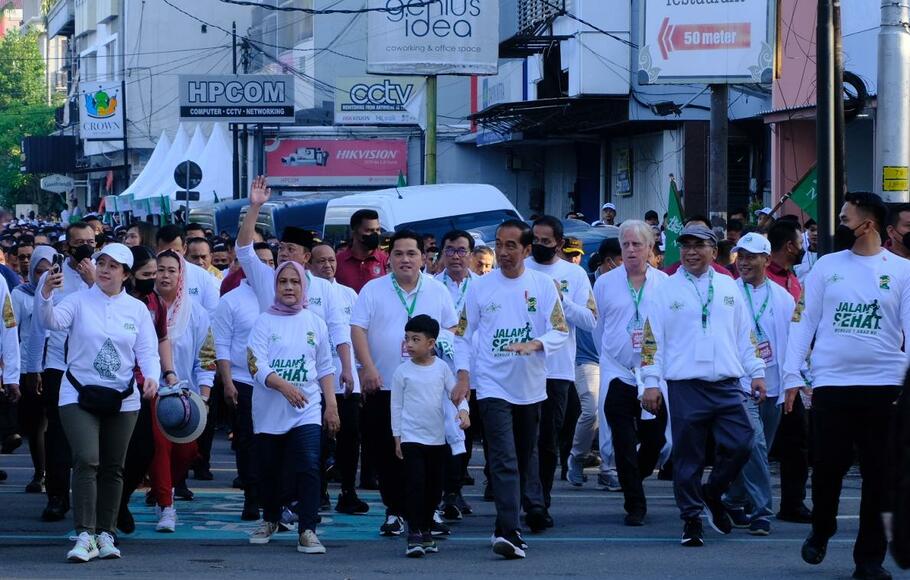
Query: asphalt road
point(588, 541)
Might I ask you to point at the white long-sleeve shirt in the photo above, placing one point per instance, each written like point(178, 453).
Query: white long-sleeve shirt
point(774, 321)
point(234, 318)
point(9, 339)
point(346, 298)
point(55, 341)
point(857, 308)
point(380, 312)
point(194, 350)
point(23, 306)
point(108, 335)
point(419, 396)
point(500, 311)
point(296, 348)
point(579, 307)
point(677, 347)
point(202, 287)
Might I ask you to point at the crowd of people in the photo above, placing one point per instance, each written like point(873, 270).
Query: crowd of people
point(393, 356)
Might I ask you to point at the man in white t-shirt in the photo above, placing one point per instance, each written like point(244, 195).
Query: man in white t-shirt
point(382, 309)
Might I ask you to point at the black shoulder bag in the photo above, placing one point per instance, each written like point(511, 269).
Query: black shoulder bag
point(98, 400)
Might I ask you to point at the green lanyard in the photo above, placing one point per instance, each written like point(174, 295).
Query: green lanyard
point(636, 296)
point(761, 310)
point(705, 304)
point(464, 288)
point(401, 296)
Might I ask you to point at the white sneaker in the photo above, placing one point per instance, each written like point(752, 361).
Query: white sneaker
point(167, 520)
point(264, 533)
point(308, 543)
point(106, 548)
point(85, 549)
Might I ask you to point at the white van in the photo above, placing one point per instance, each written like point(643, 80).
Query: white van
point(426, 209)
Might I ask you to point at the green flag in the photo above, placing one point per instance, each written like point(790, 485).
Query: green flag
point(805, 193)
point(674, 225)
point(402, 180)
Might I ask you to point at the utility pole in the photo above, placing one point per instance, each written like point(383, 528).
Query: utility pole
point(430, 133)
point(235, 161)
point(824, 124)
point(717, 165)
point(892, 126)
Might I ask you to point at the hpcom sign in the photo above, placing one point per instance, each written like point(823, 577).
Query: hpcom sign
point(237, 98)
point(432, 38)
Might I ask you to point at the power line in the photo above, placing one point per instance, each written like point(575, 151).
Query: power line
point(330, 10)
point(140, 53)
point(565, 12)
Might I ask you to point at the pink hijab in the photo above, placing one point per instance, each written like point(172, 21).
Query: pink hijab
point(279, 309)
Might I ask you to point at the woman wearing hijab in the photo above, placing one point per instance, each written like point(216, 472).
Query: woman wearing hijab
point(290, 360)
point(142, 445)
point(32, 420)
point(99, 404)
point(193, 348)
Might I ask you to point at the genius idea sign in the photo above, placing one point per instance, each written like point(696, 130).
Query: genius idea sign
point(237, 98)
point(706, 41)
point(415, 37)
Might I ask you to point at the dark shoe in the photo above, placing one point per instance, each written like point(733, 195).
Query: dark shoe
point(369, 483)
point(150, 498)
point(36, 485)
point(428, 543)
point(718, 518)
point(591, 460)
point(463, 506)
point(56, 509)
point(237, 483)
point(450, 511)
point(537, 520)
point(467, 480)
point(509, 546)
point(800, 515)
point(125, 522)
point(325, 503)
point(250, 511)
point(439, 528)
point(814, 549)
point(693, 534)
point(184, 493)
point(488, 492)
point(349, 503)
point(739, 517)
point(203, 475)
point(760, 527)
point(393, 526)
point(3, 475)
point(634, 519)
point(666, 472)
point(415, 546)
point(871, 572)
point(11, 443)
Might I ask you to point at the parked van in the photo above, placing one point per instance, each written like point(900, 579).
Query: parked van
point(426, 209)
point(306, 211)
point(221, 216)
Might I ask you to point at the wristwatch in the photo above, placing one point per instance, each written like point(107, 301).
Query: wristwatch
point(165, 374)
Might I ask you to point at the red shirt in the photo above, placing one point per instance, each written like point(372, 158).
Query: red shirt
point(785, 278)
point(232, 280)
point(355, 273)
point(717, 268)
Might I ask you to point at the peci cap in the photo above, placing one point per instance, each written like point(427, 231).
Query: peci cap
point(754, 244)
point(698, 231)
point(118, 252)
point(299, 236)
point(573, 246)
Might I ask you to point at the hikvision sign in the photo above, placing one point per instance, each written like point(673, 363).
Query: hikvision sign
point(237, 98)
point(431, 38)
point(335, 162)
point(372, 100)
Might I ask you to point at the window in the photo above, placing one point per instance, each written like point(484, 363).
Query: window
point(531, 13)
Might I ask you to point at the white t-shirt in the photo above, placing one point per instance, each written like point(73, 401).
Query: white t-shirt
point(234, 318)
point(297, 348)
point(380, 312)
point(579, 307)
point(500, 311)
point(419, 396)
point(857, 308)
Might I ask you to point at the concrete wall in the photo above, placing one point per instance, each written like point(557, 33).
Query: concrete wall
point(654, 157)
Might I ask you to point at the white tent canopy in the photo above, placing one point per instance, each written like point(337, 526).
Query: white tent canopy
point(216, 163)
point(163, 178)
point(193, 153)
point(152, 169)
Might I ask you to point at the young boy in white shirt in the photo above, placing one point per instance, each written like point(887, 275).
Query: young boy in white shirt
point(421, 387)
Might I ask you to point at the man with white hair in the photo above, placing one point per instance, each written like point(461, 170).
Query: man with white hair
point(624, 296)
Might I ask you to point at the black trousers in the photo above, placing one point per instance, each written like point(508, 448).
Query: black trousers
point(377, 422)
point(347, 440)
point(844, 418)
point(791, 447)
point(59, 457)
point(424, 466)
point(552, 416)
point(216, 398)
point(139, 454)
point(636, 443)
point(244, 442)
point(567, 433)
point(32, 425)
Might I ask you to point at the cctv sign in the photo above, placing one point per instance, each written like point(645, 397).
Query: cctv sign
point(375, 100)
point(237, 98)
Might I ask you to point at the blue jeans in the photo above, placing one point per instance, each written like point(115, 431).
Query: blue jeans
point(297, 452)
point(752, 488)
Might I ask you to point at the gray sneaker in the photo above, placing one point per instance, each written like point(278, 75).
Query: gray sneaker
point(609, 482)
point(308, 543)
point(576, 474)
point(264, 533)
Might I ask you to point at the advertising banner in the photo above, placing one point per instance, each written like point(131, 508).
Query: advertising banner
point(445, 37)
point(237, 98)
point(101, 111)
point(690, 41)
point(329, 162)
point(375, 100)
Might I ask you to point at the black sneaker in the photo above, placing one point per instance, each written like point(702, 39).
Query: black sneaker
point(11, 443)
point(415, 546)
point(393, 526)
point(509, 546)
point(439, 528)
point(467, 479)
point(325, 504)
point(56, 509)
point(871, 572)
point(237, 483)
point(349, 503)
point(450, 511)
point(250, 511)
point(463, 506)
point(150, 498)
point(36, 485)
point(693, 534)
point(635, 519)
point(488, 492)
point(760, 527)
point(184, 493)
point(3, 475)
point(798, 515)
point(814, 549)
point(428, 543)
point(537, 519)
point(203, 475)
point(718, 518)
point(740, 518)
point(125, 521)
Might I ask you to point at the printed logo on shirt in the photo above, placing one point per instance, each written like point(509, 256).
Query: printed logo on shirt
point(800, 307)
point(648, 345)
point(129, 327)
point(311, 338)
point(591, 303)
point(729, 301)
point(858, 318)
point(292, 370)
point(107, 361)
point(274, 338)
point(347, 310)
point(376, 269)
point(194, 292)
point(532, 303)
point(462, 323)
point(316, 300)
point(503, 337)
point(834, 278)
point(207, 352)
point(251, 361)
point(676, 306)
point(563, 286)
point(884, 282)
point(9, 316)
point(492, 307)
point(558, 318)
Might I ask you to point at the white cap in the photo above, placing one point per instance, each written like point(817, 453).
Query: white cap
point(62, 238)
point(754, 244)
point(118, 252)
point(764, 211)
point(608, 205)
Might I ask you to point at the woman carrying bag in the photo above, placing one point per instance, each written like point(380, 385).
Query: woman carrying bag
point(109, 331)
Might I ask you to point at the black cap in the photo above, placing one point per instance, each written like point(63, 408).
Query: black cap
point(698, 231)
point(299, 236)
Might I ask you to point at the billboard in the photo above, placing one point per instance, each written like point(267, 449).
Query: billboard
point(374, 100)
point(688, 42)
point(451, 37)
point(237, 98)
point(101, 111)
point(335, 162)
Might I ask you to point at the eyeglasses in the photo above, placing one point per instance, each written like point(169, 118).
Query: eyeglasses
point(694, 246)
point(460, 252)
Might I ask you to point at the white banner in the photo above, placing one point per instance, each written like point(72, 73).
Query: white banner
point(101, 111)
point(373, 100)
point(451, 37)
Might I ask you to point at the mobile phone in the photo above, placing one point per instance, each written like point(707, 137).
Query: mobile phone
point(57, 265)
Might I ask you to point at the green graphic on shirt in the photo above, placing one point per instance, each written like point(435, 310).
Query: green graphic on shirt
point(503, 337)
point(107, 362)
point(292, 370)
point(858, 318)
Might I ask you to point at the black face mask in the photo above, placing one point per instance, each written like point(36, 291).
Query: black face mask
point(144, 287)
point(82, 252)
point(844, 237)
point(222, 267)
point(370, 241)
point(542, 254)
